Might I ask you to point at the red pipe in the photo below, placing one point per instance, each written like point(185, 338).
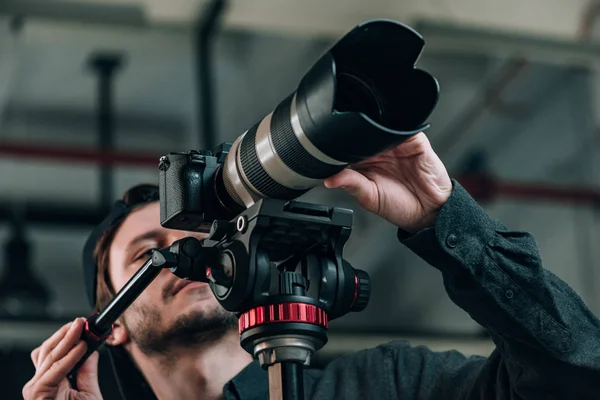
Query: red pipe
point(486, 188)
point(482, 187)
point(78, 155)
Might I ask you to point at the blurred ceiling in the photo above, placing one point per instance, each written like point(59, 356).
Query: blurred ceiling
point(555, 18)
point(543, 29)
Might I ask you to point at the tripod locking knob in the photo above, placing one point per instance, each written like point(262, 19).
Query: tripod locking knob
point(362, 292)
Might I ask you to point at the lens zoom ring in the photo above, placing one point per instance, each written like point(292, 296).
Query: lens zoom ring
point(289, 149)
point(229, 186)
point(256, 174)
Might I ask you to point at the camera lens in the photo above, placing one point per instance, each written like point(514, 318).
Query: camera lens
point(362, 97)
point(344, 110)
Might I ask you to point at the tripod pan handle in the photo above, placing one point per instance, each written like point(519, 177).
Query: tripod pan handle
point(93, 340)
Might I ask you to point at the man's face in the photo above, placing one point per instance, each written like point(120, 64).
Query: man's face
point(171, 311)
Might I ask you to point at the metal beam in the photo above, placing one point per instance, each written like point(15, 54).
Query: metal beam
point(105, 65)
point(459, 134)
point(511, 37)
point(62, 214)
point(449, 38)
point(81, 120)
point(123, 15)
point(460, 129)
point(207, 26)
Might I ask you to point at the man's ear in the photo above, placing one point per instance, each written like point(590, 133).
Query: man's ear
point(118, 336)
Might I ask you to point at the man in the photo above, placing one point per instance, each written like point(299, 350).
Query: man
point(186, 346)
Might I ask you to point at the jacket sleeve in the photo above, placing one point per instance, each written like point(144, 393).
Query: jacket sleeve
point(547, 340)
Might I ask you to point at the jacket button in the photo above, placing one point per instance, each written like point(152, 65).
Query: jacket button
point(451, 240)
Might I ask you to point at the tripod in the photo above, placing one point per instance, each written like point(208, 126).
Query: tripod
point(278, 266)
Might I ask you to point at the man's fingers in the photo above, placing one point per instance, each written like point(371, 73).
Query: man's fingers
point(53, 360)
point(49, 344)
point(63, 347)
point(356, 184)
point(34, 356)
point(61, 367)
point(412, 146)
point(64, 387)
point(343, 179)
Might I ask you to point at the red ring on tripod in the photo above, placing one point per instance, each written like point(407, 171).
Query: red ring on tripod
point(88, 331)
point(355, 289)
point(286, 312)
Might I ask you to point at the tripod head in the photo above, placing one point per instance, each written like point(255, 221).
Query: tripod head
point(279, 267)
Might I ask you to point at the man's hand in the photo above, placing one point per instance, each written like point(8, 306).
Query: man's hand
point(54, 359)
point(406, 185)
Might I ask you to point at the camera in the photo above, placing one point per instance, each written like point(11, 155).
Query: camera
point(361, 98)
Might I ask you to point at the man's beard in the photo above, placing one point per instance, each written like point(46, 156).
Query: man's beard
point(194, 329)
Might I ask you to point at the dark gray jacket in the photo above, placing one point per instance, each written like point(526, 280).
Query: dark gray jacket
point(548, 341)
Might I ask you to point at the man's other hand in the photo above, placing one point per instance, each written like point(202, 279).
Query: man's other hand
point(54, 359)
point(406, 185)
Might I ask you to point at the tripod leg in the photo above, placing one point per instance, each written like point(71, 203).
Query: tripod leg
point(286, 381)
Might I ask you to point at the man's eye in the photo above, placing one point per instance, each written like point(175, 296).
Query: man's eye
point(146, 254)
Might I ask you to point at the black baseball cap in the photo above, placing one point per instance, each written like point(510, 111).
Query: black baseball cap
point(130, 380)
